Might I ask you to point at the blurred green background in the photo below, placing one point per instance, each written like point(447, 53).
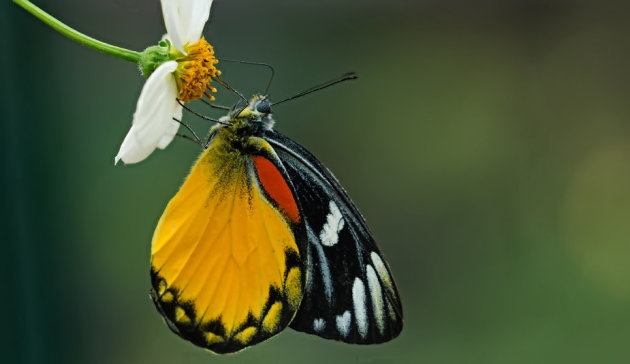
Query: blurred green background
point(487, 145)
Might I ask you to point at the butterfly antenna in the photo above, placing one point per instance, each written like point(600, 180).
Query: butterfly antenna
point(345, 77)
point(273, 72)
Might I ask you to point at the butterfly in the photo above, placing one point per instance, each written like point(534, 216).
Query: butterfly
point(262, 236)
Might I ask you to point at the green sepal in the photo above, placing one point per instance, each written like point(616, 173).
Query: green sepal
point(154, 56)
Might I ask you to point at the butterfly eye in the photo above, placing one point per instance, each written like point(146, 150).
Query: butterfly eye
point(264, 107)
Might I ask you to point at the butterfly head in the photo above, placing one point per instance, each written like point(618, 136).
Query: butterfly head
point(259, 107)
point(243, 122)
point(256, 115)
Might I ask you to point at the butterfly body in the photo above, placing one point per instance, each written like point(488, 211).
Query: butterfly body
point(261, 236)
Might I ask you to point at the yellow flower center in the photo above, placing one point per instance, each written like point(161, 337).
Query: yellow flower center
point(195, 71)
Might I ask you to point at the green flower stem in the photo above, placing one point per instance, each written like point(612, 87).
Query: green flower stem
point(122, 53)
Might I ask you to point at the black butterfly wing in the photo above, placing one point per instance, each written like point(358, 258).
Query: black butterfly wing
point(350, 293)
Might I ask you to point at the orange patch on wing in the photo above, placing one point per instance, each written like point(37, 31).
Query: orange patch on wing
point(277, 188)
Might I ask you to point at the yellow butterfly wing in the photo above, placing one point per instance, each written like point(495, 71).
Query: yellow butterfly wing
point(225, 263)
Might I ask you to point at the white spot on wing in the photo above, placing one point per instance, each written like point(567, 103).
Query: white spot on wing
point(334, 223)
point(343, 323)
point(323, 264)
point(319, 324)
point(377, 298)
point(390, 311)
point(381, 269)
point(360, 312)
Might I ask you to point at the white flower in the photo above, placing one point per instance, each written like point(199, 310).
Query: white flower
point(153, 125)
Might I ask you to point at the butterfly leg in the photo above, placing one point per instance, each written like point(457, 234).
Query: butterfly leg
point(195, 138)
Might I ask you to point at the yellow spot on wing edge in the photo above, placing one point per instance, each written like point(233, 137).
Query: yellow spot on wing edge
point(167, 297)
point(246, 335)
point(270, 322)
point(212, 338)
point(180, 316)
point(161, 287)
point(293, 287)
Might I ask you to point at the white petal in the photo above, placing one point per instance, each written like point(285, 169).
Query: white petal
point(171, 130)
point(153, 118)
point(130, 151)
point(185, 19)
